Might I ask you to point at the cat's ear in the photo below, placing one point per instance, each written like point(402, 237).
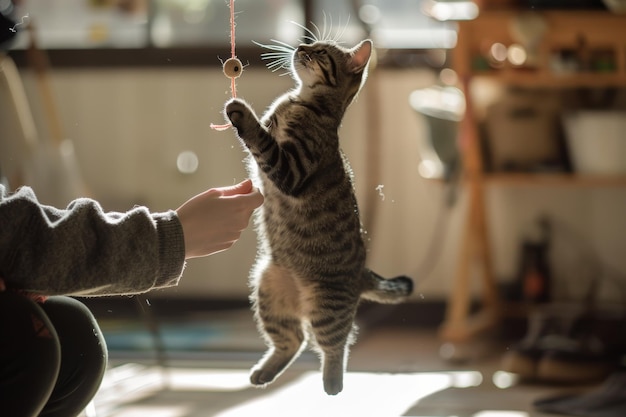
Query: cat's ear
point(360, 55)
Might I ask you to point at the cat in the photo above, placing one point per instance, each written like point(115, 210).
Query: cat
point(310, 271)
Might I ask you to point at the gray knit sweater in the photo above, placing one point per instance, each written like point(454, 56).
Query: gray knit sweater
point(82, 250)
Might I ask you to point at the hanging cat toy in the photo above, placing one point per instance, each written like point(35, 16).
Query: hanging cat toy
point(232, 67)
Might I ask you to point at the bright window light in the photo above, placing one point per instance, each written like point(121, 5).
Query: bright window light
point(451, 10)
point(498, 52)
point(444, 38)
point(504, 380)
point(517, 55)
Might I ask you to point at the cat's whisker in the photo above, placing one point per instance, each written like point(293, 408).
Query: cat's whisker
point(285, 45)
point(278, 49)
point(276, 69)
point(341, 31)
point(284, 73)
point(275, 55)
point(280, 54)
point(308, 39)
point(272, 62)
point(277, 46)
point(309, 34)
point(330, 28)
point(279, 60)
point(319, 36)
point(325, 22)
point(276, 65)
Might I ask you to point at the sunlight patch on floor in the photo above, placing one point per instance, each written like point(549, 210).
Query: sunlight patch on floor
point(501, 413)
point(364, 393)
point(129, 383)
point(153, 411)
point(207, 380)
point(135, 377)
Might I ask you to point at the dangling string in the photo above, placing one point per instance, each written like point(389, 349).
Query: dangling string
point(232, 67)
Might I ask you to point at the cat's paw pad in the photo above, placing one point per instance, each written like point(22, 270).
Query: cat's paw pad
point(333, 386)
point(261, 378)
point(236, 110)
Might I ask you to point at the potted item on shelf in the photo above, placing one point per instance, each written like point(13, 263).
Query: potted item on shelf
point(597, 141)
point(523, 133)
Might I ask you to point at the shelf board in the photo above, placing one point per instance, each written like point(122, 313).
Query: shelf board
point(555, 179)
point(527, 78)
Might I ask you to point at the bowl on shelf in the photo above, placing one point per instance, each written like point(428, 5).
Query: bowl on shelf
point(597, 141)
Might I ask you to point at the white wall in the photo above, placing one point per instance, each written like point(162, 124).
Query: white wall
point(129, 125)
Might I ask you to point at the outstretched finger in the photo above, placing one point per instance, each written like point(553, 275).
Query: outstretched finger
point(244, 187)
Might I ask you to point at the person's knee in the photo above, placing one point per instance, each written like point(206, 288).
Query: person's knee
point(23, 324)
point(29, 355)
point(75, 323)
point(83, 356)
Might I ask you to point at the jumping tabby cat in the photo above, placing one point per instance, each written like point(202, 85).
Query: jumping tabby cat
point(310, 273)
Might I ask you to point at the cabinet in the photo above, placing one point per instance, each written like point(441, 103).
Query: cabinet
point(596, 40)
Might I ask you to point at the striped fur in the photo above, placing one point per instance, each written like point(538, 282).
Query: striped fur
point(310, 273)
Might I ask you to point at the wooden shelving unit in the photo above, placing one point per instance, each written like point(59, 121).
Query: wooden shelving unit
point(579, 32)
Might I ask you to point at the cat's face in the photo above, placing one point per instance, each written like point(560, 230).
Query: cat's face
point(324, 63)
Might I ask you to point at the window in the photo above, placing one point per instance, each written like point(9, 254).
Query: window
point(74, 24)
point(393, 24)
point(182, 25)
point(207, 22)
point(88, 24)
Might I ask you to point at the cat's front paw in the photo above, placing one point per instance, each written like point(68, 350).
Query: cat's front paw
point(238, 112)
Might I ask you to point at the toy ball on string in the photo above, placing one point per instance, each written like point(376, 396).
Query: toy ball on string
point(232, 68)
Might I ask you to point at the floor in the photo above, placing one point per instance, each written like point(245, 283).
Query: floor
point(392, 371)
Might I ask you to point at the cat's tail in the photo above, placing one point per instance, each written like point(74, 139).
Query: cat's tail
point(388, 291)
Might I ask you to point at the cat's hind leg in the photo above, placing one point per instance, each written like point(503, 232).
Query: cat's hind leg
point(334, 331)
point(277, 309)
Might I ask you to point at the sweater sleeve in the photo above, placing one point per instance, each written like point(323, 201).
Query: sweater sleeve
point(81, 250)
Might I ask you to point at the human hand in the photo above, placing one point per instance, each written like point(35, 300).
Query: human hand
point(213, 220)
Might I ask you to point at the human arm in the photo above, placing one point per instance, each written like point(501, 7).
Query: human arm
point(83, 250)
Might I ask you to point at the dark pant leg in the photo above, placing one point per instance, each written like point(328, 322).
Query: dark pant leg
point(83, 357)
point(29, 356)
